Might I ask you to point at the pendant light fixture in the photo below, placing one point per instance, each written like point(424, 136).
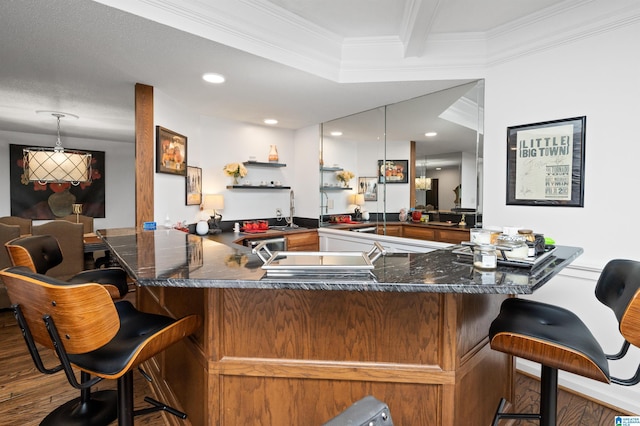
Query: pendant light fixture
point(423, 183)
point(57, 164)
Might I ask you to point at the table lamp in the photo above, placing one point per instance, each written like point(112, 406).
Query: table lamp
point(358, 200)
point(214, 202)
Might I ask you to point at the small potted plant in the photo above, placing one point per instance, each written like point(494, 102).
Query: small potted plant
point(235, 170)
point(344, 176)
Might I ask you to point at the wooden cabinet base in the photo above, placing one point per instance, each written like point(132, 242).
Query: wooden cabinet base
point(443, 234)
point(276, 357)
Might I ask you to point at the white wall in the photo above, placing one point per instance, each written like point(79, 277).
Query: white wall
point(119, 172)
point(595, 76)
point(338, 152)
point(305, 179)
point(214, 142)
point(468, 181)
point(368, 155)
point(397, 195)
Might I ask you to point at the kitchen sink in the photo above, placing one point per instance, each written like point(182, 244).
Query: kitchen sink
point(285, 228)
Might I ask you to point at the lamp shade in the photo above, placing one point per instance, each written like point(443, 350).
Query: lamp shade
point(423, 183)
point(56, 165)
point(213, 202)
point(358, 199)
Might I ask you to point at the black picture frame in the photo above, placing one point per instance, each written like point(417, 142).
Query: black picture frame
point(171, 152)
point(393, 171)
point(545, 163)
point(193, 186)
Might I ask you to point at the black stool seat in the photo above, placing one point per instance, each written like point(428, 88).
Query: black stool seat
point(135, 329)
point(549, 335)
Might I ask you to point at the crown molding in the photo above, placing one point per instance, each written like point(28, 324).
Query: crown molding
point(570, 21)
point(261, 28)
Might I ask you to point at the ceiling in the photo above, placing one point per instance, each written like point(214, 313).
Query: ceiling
point(294, 60)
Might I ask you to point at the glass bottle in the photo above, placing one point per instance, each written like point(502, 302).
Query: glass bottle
point(484, 257)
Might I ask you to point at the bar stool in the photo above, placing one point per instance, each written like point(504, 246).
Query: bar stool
point(90, 332)
point(40, 253)
point(558, 340)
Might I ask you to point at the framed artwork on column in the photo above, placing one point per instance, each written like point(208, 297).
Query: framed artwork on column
point(193, 184)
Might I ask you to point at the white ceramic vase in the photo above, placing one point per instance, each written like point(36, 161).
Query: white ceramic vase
point(202, 227)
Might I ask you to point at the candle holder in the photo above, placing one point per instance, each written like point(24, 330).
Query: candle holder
point(77, 209)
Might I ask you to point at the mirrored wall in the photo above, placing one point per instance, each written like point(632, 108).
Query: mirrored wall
point(423, 153)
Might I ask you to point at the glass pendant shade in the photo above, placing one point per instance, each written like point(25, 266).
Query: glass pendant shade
point(57, 164)
point(423, 183)
point(53, 165)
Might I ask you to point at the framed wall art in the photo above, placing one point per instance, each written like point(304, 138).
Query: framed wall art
point(193, 186)
point(171, 152)
point(44, 201)
point(369, 187)
point(393, 171)
point(545, 163)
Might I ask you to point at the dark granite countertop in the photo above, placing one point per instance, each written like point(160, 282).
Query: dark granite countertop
point(173, 258)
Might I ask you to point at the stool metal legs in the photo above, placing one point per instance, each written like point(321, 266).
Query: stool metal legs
point(548, 396)
point(548, 401)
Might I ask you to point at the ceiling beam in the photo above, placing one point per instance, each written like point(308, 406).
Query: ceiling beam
point(419, 17)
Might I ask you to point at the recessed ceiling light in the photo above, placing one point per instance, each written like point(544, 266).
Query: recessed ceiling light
point(214, 78)
point(438, 168)
point(430, 134)
point(270, 121)
point(337, 133)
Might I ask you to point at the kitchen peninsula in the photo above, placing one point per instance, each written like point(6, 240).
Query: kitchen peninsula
point(298, 351)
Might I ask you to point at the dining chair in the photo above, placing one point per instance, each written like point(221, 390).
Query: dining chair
point(70, 238)
point(87, 221)
point(24, 223)
point(7, 233)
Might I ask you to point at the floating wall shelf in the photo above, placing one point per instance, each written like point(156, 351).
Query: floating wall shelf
point(257, 187)
point(263, 164)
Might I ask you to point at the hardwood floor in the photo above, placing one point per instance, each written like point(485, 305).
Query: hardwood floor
point(27, 396)
point(573, 410)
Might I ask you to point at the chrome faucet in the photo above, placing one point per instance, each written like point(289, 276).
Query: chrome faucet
point(292, 209)
point(326, 205)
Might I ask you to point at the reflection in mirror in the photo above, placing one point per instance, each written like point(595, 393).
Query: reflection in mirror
point(351, 144)
point(444, 170)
